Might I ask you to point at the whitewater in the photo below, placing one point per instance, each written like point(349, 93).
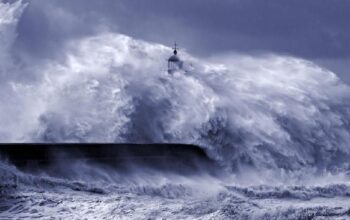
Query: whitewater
point(276, 125)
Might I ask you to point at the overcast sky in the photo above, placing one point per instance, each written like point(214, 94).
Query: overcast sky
point(317, 30)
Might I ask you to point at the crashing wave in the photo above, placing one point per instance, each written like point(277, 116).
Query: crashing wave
point(268, 111)
point(265, 111)
point(278, 119)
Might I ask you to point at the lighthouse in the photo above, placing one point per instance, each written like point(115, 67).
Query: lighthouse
point(174, 62)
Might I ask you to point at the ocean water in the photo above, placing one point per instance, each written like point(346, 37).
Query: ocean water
point(278, 127)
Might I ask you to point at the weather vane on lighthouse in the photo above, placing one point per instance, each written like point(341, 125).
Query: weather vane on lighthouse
point(175, 48)
point(174, 62)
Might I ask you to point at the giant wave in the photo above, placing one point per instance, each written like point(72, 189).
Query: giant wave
point(261, 116)
point(263, 111)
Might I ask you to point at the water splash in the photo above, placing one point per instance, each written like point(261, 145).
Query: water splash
point(279, 120)
point(265, 111)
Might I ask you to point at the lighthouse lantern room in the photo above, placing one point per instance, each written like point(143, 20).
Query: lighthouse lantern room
point(174, 62)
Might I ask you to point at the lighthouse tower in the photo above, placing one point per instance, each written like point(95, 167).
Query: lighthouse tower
point(174, 62)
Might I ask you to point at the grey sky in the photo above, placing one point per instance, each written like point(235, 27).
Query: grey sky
point(317, 30)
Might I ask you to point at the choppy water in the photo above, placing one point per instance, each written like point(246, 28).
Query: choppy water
point(103, 194)
point(278, 125)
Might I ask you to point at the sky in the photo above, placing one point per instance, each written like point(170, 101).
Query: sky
point(313, 30)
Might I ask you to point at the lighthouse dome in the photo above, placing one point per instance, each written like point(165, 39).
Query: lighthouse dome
point(174, 62)
point(174, 58)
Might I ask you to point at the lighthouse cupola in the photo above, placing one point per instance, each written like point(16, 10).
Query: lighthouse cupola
point(174, 62)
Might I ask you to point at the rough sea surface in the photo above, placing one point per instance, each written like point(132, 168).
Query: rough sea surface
point(278, 126)
point(96, 193)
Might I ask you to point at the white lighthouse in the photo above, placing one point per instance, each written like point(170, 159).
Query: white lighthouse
point(174, 62)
